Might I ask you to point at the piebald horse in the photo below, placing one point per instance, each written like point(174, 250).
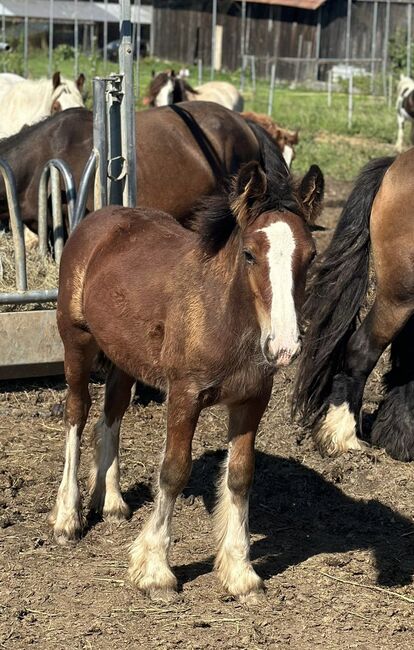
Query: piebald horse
point(26, 101)
point(168, 88)
point(405, 109)
point(207, 315)
point(337, 357)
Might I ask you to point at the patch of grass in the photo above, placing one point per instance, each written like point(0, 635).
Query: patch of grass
point(372, 133)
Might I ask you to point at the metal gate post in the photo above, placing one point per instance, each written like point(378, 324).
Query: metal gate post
point(100, 142)
point(126, 68)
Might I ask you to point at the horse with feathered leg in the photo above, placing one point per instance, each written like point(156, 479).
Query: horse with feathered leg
point(337, 357)
point(207, 315)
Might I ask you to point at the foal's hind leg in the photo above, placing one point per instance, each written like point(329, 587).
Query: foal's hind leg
point(337, 431)
point(149, 567)
point(80, 350)
point(104, 481)
point(231, 516)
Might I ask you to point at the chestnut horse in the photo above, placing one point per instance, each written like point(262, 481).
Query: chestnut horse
point(337, 357)
point(183, 152)
point(283, 138)
point(208, 315)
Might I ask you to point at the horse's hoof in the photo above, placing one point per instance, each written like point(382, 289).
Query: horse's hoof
point(67, 531)
point(253, 598)
point(117, 512)
point(164, 596)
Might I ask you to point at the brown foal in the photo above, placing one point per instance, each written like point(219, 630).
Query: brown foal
point(208, 315)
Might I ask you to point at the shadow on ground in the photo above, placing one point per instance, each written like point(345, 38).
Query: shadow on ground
point(300, 515)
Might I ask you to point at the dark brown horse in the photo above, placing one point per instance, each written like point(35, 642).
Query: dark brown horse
point(206, 315)
point(337, 357)
point(183, 152)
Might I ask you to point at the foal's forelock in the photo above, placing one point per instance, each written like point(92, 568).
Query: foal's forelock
point(280, 334)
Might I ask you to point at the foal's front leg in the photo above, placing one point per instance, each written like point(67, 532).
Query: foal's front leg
point(149, 567)
point(231, 516)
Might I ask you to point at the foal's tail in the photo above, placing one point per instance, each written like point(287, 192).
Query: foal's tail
point(338, 286)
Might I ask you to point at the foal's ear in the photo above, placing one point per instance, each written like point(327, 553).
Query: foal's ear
point(80, 82)
point(311, 193)
point(249, 185)
point(56, 80)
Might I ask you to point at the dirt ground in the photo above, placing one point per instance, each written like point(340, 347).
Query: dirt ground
point(332, 538)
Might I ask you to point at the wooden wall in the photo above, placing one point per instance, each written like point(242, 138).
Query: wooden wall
point(182, 32)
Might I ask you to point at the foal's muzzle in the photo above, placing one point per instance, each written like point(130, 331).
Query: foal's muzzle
point(281, 356)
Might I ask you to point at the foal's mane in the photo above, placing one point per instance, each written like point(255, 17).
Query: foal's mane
point(214, 219)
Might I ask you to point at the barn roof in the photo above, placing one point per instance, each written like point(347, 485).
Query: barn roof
point(64, 11)
point(298, 4)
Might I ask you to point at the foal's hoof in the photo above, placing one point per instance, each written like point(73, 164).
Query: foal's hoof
point(112, 507)
point(253, 598)
point(68, 530)
point(117, 513)
point(164, 596)
point(68, 533)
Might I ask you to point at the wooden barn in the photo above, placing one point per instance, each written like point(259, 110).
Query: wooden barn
point(281, 30)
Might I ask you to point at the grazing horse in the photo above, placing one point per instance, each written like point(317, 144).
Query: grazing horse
point(338, 358)
point(27, 101)
point(283, 138)
point(207, 315)
point(166, 88)
point(405, 109)
point(197, 141)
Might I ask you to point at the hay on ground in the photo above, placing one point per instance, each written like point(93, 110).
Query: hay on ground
point(42, 273)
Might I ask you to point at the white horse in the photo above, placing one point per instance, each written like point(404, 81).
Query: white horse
point(405, 109)
point(167, 88)
point(7, 80)
point(25, 101)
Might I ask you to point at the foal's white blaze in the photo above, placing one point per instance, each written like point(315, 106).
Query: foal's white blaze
point(284, 334)
point(164, 97)
point(287, 154)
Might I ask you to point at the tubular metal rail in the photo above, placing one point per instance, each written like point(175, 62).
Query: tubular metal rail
point(29, 340)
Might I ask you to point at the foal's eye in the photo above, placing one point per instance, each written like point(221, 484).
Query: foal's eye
point(249, 257)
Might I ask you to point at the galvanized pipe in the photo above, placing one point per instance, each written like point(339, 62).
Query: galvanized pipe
point(76, 39)
point(57, 217)
point(126, 68)
point(105, 37)
point(62, 170)
point(50, 64)
point(374, 43)
point(100, 142)
point(16, 225)
point(271, 89)
point(35, 295)
point(83, 190)
point(26, 40)
point(213, 37)
point(409, 31)
point(138, 43)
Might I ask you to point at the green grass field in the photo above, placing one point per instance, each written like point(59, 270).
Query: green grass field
point(325, 138)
